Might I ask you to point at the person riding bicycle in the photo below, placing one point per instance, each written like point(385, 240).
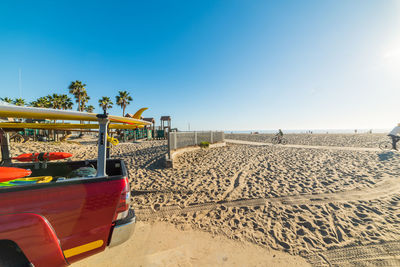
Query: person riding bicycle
point(394, 134)
point(279, 136)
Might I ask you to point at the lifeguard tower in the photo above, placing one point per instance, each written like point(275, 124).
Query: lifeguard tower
point(166, 123)
point(165, 127)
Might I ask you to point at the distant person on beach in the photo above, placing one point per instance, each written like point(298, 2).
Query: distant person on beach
point(394, 134)
point(279, 135)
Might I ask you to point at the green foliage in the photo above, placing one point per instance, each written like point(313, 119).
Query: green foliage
point(7, 100)
point(204, 144)
point(19, 102)
point(89, 109)
point(85, 99)
point(105, 103)
point(123, 99)
point(54, 101)
point(41, 102)
point(78, 89)
point(66, 102)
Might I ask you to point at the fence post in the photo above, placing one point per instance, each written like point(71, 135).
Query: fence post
point(175, 145)
point(211, 137)
point(195, 138)
point(169, 145)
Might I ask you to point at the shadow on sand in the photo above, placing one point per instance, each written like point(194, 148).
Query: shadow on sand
point(385, 156)
point(153, 157)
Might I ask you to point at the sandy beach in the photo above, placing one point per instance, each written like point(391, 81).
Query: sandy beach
point(162, 244)
point(330, 207)
point(343, 140)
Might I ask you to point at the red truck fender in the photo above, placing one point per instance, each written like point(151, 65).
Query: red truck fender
point(35, 237)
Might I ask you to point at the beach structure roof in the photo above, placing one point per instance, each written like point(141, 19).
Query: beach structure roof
point(152, 120)
point(165, 118)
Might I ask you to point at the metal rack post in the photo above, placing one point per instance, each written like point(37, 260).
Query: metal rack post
point(5, 148)
point(102, 145)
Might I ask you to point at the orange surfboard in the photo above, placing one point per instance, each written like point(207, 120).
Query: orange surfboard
point(44, 156)
point(11, 173)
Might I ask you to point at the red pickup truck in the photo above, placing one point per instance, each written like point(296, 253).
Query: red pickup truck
point(63, 221)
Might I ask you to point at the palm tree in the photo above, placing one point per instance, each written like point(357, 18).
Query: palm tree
point(66, 102)
point(84, 100)
point(89, 109)
point(7, 100)
point(123, 99)
point(19, 102)
point(78, 89)
point(55, 101)
point(41, 102)
point(105, 103)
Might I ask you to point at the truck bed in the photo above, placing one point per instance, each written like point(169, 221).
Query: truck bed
point(61, 170)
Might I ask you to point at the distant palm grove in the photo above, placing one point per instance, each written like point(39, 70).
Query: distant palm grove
point(78, 90)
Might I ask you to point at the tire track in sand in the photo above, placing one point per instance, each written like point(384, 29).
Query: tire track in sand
point(149, 213)
point(236, 182)
point(385, 254)
point(383, 189)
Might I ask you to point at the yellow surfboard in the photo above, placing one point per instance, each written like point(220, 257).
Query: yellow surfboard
point(38, 179)
point(64, 126)
point(139, 113)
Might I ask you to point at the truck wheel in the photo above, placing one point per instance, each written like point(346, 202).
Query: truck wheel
point(11, 255)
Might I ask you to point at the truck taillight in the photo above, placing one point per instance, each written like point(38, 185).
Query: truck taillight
point(124, 202)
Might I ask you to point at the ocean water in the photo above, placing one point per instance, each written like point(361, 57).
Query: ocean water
point(315, 131)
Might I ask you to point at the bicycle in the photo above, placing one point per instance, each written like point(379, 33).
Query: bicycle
point(385, 145)
point(278, 140)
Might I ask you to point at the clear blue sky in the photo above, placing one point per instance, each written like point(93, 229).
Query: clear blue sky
point(231, 65)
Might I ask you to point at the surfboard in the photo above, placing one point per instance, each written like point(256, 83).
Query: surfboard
point(45, 156)
point(11, 173)
point(64, 126)
point(37, 179)
point(30, 180)
point(138, 113)
point(55, 114)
